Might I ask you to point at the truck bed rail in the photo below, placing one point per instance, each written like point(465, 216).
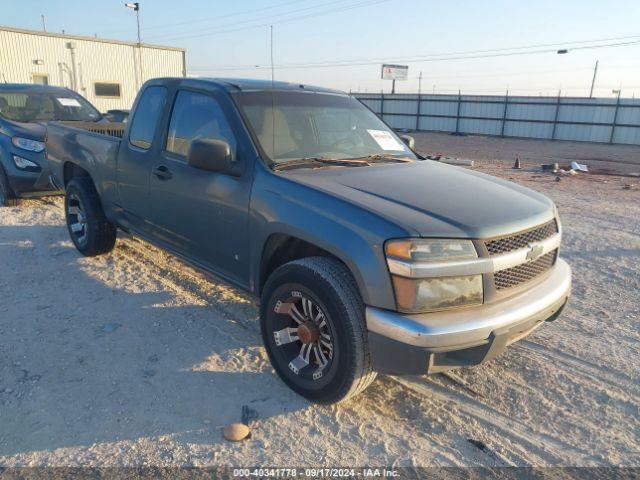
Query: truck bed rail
point(110, 128)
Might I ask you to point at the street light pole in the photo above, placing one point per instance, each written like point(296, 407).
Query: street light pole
point(593, 82)
point(135, 6)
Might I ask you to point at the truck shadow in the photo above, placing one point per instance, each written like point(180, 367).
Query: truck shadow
point(93, 353)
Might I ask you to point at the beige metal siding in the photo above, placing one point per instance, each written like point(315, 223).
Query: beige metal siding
point(96, 60)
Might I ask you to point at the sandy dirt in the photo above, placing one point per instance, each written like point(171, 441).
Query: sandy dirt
point(135, 359)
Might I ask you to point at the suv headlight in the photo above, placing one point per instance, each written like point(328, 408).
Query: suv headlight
point(416, 295)
point(28, 144)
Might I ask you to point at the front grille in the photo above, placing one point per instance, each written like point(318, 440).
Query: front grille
point(521, 240)
point(514, 276)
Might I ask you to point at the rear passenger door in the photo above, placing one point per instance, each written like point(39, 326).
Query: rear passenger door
point(136, 156)
point(201, 214)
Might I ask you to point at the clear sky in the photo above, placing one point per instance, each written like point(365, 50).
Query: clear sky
point(229, 38)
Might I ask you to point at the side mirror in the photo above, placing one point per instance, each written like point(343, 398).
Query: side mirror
point(210, 155)
point(409, 140)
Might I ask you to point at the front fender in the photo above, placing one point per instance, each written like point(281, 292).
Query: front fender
point(350, 233)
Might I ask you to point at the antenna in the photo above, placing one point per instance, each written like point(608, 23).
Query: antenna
point(273, 99)
point(272, 69)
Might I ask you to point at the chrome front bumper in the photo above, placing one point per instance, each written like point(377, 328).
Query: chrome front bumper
point(461, 329)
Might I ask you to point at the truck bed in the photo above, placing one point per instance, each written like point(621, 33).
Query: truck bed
point(90, 146)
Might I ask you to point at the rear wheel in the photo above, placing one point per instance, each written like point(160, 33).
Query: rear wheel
point(313, 327)
point(89, 229)
point(7, 198)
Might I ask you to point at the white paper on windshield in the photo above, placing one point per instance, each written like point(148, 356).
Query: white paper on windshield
point(69, 102)
point(386, 140)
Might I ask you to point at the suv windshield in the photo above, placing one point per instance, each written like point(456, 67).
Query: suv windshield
point(305, 125)
point(41, 106)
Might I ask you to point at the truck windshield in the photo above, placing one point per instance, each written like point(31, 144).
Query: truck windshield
point(43, 106)
point(301, 125)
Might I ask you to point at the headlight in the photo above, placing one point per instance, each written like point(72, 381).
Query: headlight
point(23, 163)
point(28, 144)
point(430, 249)
point(415, 295)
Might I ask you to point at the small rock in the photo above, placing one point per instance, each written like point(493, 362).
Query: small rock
point(148, 372)
point(236, 432)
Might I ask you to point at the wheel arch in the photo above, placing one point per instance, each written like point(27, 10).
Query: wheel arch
point(72, 170)
point(281, 248)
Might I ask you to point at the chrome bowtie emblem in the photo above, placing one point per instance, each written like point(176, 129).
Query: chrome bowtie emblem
point(534, 251)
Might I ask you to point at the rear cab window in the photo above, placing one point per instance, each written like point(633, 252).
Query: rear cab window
point(146, 116)
point(197, 116)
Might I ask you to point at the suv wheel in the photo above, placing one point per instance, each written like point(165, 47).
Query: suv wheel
point(90, 231)
point(7, 199)
point(314, 331)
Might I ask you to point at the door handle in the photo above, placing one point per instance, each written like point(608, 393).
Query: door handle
point(162, 172)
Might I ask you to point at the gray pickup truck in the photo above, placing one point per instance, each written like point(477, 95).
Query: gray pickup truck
point(366, 258)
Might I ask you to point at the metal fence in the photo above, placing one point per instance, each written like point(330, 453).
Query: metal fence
point(554, 118)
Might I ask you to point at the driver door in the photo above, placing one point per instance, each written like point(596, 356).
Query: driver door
point(200, 214)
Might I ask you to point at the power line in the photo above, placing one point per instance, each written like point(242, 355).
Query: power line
point(435, 57)
point(217, 17)
point(285, 20)
point(215, 28)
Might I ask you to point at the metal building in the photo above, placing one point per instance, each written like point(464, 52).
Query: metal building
point(106, 72)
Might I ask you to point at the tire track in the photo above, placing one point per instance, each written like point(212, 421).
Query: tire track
point(617, 380)
point(542, 445)
point(223, 298)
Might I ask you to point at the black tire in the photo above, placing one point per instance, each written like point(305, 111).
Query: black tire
point(7, 197)
point(325, 290)
point(89, 229)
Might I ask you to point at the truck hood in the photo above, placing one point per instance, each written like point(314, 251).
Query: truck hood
point(434, 199)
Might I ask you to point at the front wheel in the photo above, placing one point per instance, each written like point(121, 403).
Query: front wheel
point(90, 231)
point(314, 331)
point(7, 198)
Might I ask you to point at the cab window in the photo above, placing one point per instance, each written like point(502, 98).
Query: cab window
point(145, 118)
point(196, 116)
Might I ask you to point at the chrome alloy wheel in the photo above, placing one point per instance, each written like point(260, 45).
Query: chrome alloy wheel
point(305, 339)
point(76, 219)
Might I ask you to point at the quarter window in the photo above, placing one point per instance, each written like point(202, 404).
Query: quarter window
point(197, 116)
point(146, 116)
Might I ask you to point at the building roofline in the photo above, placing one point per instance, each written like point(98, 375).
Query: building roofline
point(85, 38)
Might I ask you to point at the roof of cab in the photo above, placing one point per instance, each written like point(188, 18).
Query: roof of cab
point(249, 84)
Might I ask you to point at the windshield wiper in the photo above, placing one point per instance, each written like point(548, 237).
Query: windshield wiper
point(383, 157)
point(310, 161)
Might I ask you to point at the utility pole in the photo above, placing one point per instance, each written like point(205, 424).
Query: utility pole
point(593, 82)
point(420, 83)
point(44, 25)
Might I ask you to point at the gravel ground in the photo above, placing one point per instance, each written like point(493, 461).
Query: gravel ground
point(621, 158)
point(135, 359)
